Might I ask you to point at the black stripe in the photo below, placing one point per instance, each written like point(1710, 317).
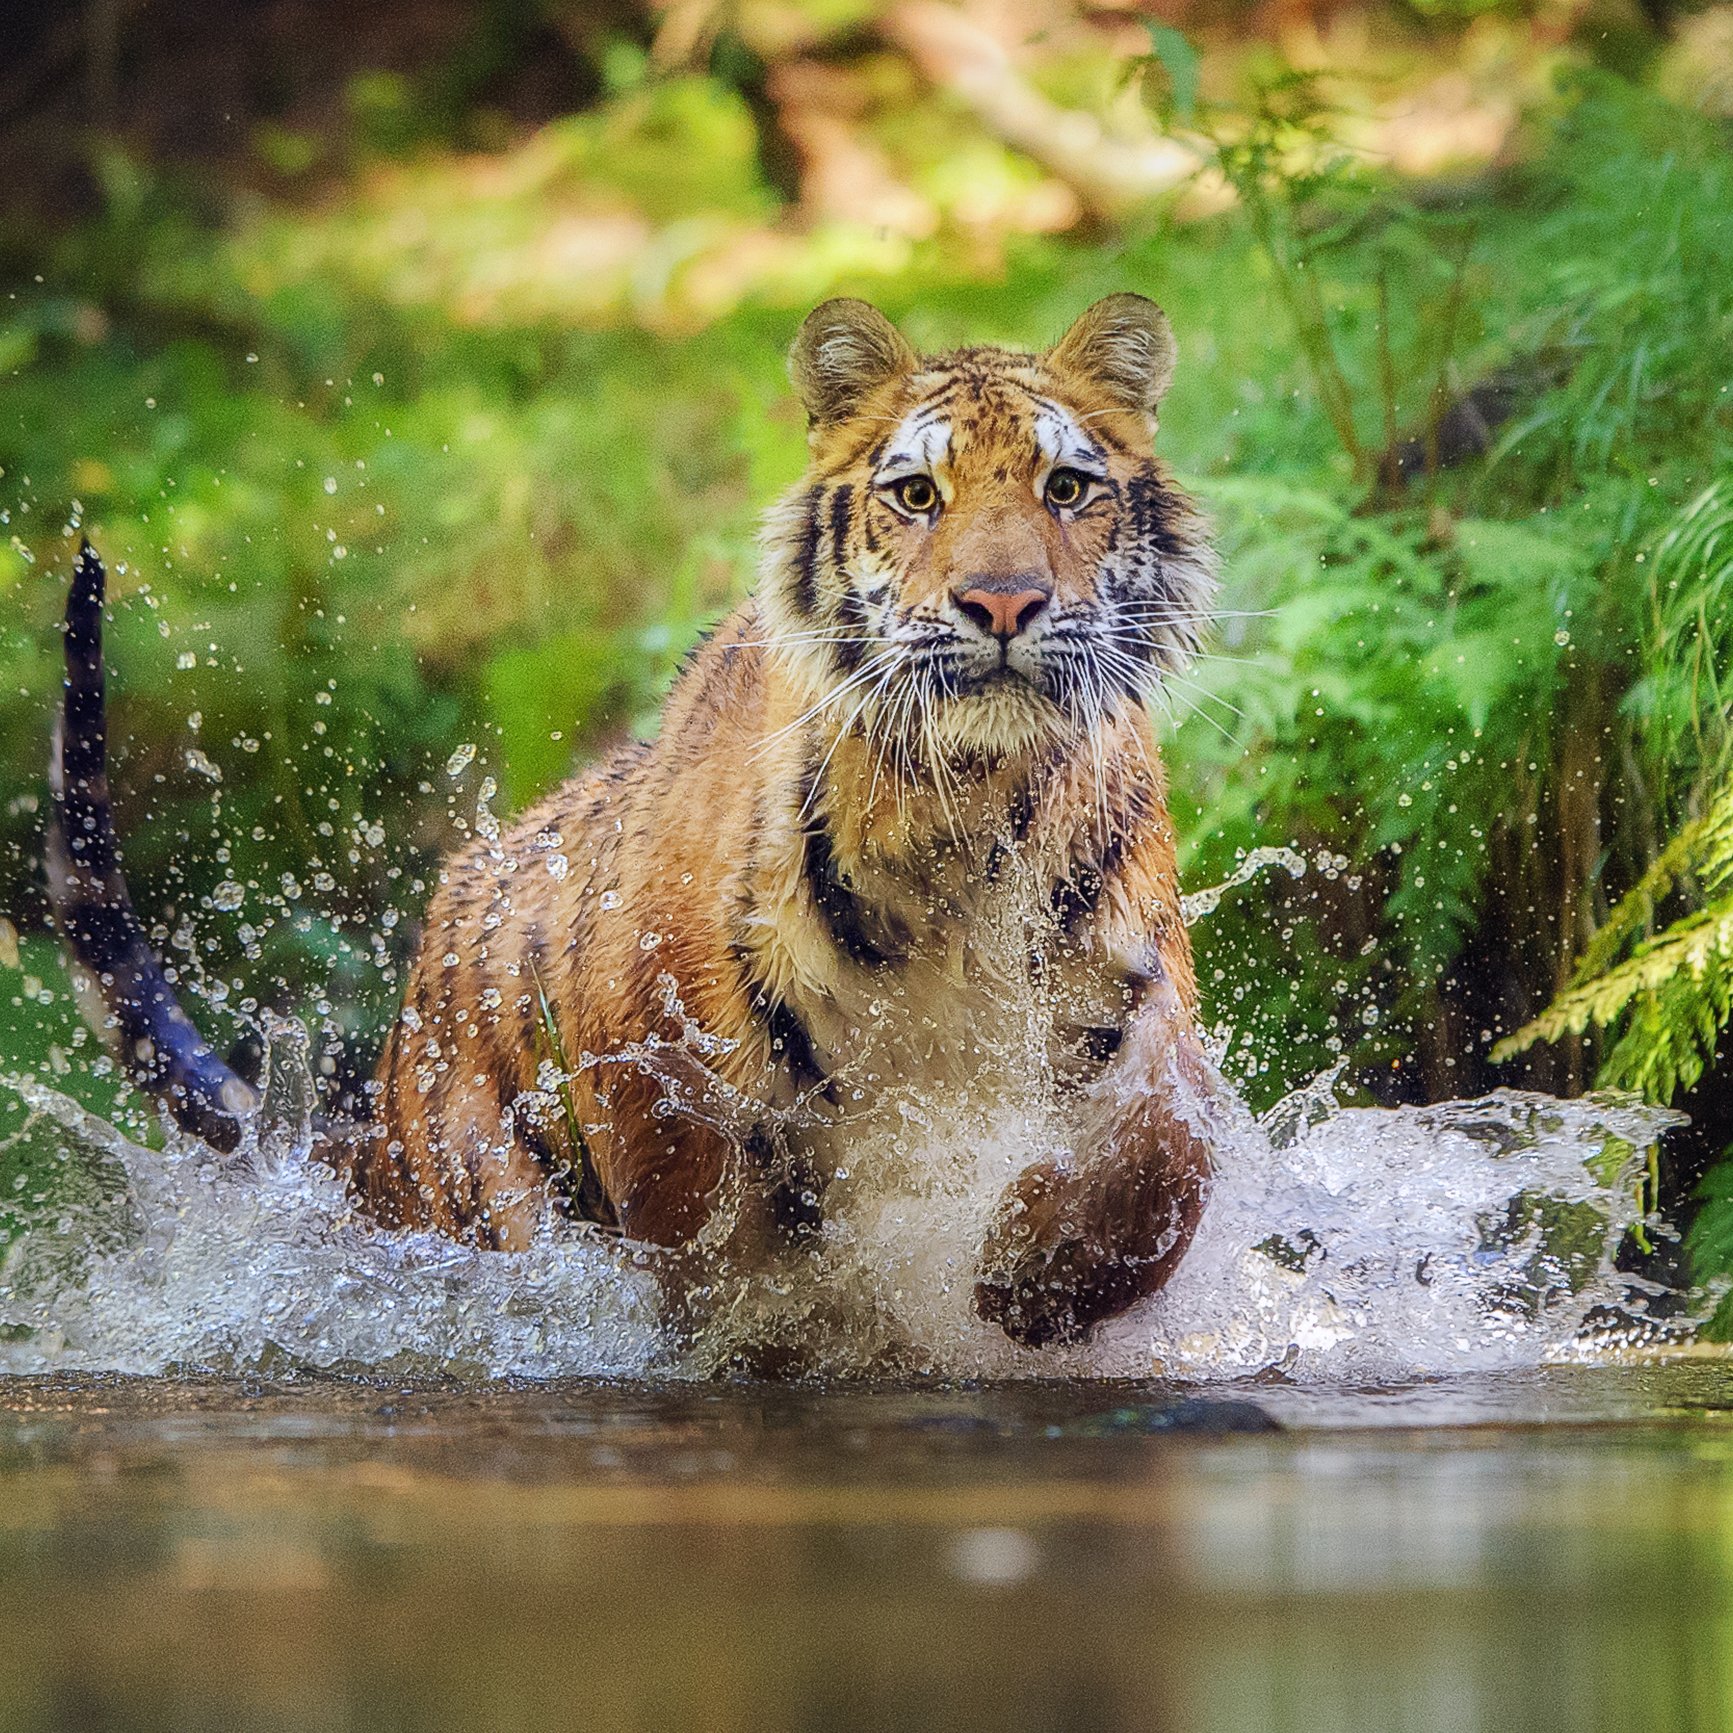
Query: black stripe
point(806, 557)
point(1150, 510)
point(844, 915)
point(838, 907)
point(1109, 439)
point(1077, 897)
point(789, 1040)
point(840, 501)
point(852, 614)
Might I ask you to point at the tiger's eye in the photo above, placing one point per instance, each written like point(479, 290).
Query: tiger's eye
point(916, 493)
point(1064, 487)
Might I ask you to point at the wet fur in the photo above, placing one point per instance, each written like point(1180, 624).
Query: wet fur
point(862, 830)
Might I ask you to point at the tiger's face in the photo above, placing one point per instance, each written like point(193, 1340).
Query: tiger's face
point(985, 554)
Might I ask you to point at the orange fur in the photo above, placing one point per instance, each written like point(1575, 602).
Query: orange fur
point(854, 788)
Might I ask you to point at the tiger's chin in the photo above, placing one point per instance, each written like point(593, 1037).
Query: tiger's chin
point(1001, 715)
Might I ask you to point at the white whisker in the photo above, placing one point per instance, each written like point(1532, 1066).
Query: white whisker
point(867, 671)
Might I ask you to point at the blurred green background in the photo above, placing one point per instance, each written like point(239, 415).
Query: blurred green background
point(418, 371)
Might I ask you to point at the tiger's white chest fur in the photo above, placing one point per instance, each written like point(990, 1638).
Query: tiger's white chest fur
point(986, 1008)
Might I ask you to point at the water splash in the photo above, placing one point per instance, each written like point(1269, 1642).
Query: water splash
point(1194, 907)
point(151, 1260)
point(1366, 1243)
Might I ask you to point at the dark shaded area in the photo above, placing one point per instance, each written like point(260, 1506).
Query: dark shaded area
point(265, 93)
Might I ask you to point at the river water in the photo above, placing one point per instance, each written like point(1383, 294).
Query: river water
point(1539, 1549)
point(1403, 1446)
point(1376, 1244)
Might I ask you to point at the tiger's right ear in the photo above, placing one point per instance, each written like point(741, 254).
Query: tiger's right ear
point(846, 350)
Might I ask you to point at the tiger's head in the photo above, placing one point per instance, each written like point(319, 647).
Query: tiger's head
point(985, 554)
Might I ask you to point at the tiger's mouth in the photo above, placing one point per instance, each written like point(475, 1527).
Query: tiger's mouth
point(988, 679)
point(1001, 679)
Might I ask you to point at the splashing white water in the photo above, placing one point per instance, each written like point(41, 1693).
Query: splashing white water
point(1377, 1244)
point(1194, 906)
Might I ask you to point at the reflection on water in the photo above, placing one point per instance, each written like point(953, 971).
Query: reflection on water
point(322, 1555)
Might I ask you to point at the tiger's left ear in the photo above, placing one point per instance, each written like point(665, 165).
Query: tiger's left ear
point(1124, 347)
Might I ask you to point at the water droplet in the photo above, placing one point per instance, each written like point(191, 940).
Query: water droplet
point(558, 866)
point(649, 941)
point(196, 760)
point(187, 659)
point(228, 895)
point(461, 759)
point(610, 900)
point(330, 484)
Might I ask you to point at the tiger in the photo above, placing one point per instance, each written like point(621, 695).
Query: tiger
point(911, 781)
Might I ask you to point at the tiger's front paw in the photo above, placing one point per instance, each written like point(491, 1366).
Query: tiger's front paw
point(1044, 1280)
point(1071, 1247)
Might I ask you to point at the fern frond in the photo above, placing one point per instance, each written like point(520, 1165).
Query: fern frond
point(1703, 850)
point(1684, 980)
point(1686, 701)
point(1673, 1034)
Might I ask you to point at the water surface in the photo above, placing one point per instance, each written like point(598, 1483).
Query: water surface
point(1545, 1548)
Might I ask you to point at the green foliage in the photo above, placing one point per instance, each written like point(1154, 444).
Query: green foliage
point(1180, 66)
point(1492, 691)
point(1685, 700)
point(1669, 994)
point(470, 449)
point(1710, 1244)
point(1672, 992)
point(41, 1032)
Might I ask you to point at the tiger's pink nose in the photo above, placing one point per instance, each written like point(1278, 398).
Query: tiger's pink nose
point(1002, 606)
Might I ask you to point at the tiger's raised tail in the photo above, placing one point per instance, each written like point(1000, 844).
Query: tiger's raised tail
point(155, 1040)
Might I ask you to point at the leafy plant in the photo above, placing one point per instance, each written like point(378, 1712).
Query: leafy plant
point(1671, 993)
point(1668, 995)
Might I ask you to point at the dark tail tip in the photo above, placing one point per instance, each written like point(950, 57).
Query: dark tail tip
point(157, 1042)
